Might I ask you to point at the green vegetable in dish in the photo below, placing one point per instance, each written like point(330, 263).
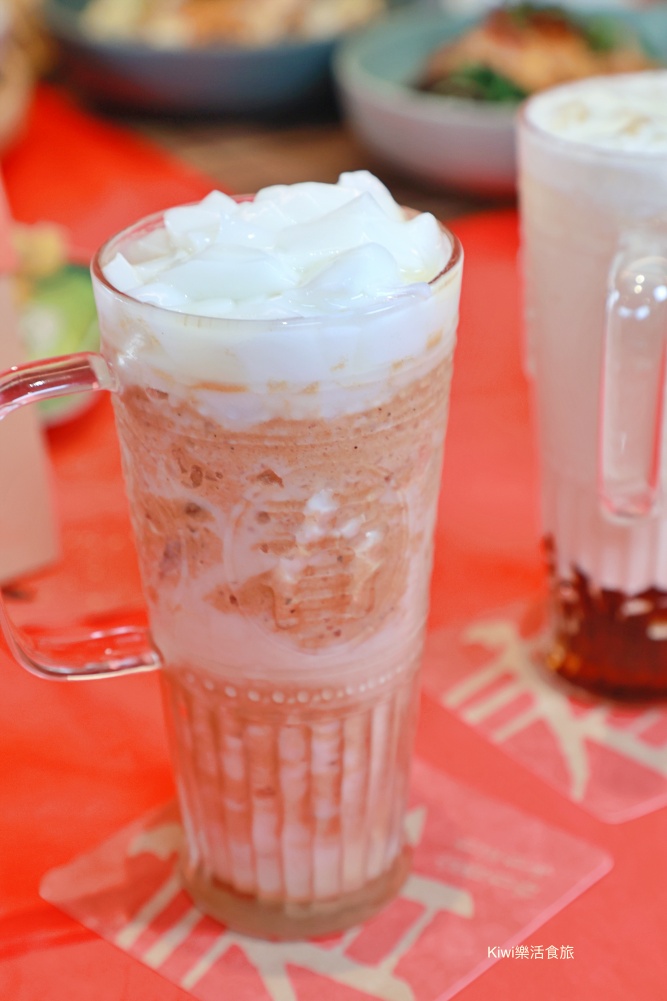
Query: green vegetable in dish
point(479, 83)
point(519, 49)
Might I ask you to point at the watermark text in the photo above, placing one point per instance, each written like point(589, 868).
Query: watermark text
point(530, 952)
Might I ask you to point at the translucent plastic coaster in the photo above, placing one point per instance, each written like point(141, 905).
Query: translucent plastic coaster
point(484, 877)
point(609, 758)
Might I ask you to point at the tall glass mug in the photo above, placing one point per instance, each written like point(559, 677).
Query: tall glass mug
point(283, 476)
point(593, 196)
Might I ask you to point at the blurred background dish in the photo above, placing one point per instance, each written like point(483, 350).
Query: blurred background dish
point(446, 140)
point(519, 49)
point(16, 71)
point(239, 57)
point(55, 305)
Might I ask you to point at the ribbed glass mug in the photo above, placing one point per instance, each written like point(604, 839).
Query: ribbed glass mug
point(284, 531)
point(594, 235)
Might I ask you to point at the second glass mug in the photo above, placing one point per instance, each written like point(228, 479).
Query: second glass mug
point(594, 244)
point(285, 547)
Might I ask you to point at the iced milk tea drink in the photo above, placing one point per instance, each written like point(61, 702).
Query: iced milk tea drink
point(593, 186)
point(283, 370)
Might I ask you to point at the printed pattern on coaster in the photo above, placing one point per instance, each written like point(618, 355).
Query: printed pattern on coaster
point(484, 877)
point(609, 758)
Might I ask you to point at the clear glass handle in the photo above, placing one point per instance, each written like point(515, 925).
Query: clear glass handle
point(105, 652)
point(633, 385)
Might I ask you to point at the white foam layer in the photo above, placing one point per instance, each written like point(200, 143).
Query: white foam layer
point(242, 372)
point(332, 325)
point(625, 112)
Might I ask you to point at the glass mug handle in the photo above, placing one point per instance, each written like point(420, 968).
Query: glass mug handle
point(633, 384)
point(98, 654)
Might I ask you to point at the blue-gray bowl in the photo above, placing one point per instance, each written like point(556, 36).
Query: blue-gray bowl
point(447, 142)
point(215, 79)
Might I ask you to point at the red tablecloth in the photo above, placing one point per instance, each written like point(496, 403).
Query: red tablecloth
point(79, 761)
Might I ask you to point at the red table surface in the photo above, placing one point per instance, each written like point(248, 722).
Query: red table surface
point(81, 760)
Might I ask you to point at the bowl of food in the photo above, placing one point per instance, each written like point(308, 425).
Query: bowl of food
point(228, 57)
point(436, 95)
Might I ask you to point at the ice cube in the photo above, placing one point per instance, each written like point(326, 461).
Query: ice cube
point(121, 274)
point(164, 295)
point(237, 273)
point(153, 244)
point(305, 201)
point(363, 180)
point(422, 252)
point(240, 232)
point(357, 222)
point(149, 270)
point(220, 203)
point(267, 214)
point(366, 271)
point(191, 227)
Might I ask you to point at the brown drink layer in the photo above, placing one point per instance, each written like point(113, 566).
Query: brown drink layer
point(605, 641)
point(351, 562)
point(293, 788)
